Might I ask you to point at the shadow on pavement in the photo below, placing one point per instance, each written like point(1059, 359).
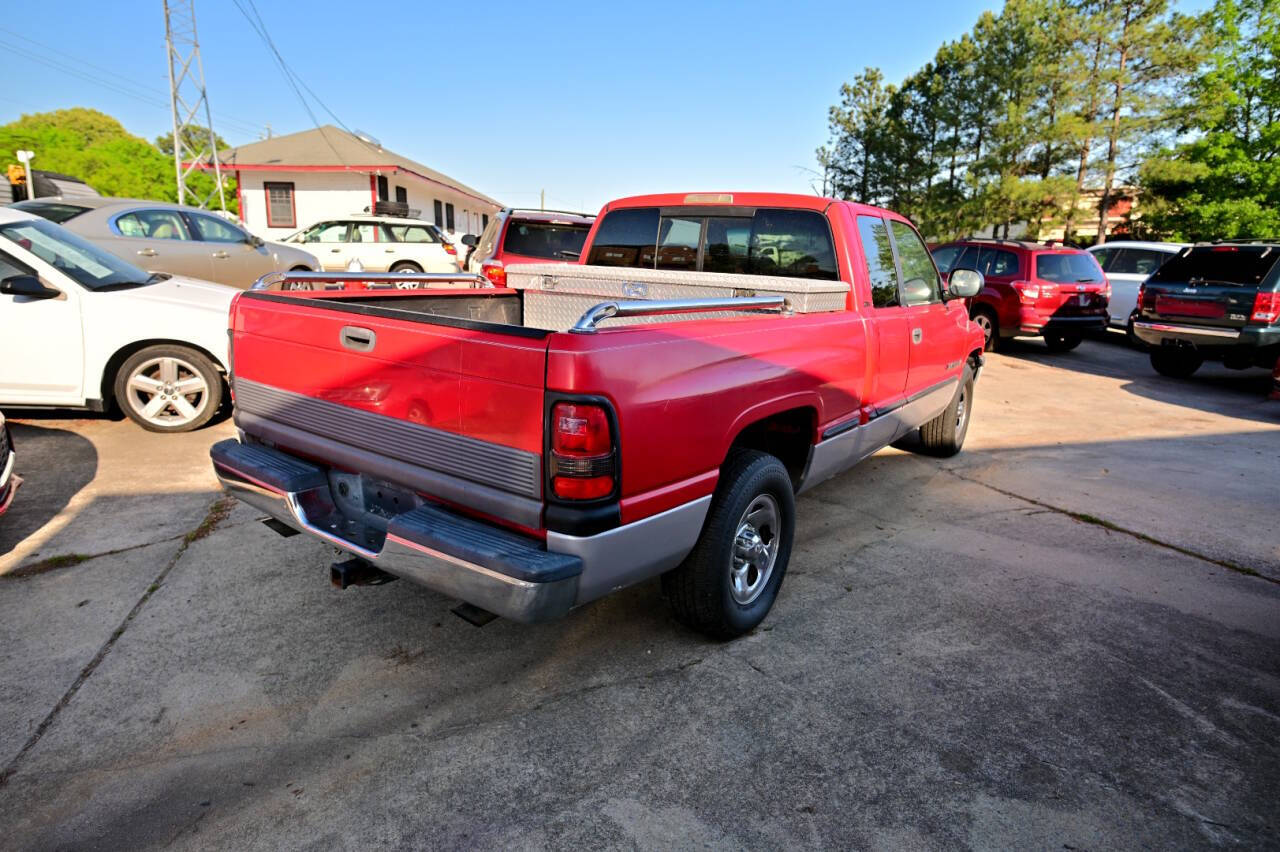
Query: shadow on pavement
point(55, 465)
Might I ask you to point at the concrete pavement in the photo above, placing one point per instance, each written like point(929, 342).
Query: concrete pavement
point(964, 653)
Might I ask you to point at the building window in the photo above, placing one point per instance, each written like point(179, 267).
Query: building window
point(280, 208)
point(439, 214)
point(402, 195)
point(448, 217)
point(382, 188)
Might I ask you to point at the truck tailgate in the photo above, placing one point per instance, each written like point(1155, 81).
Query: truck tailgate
point(450, 408)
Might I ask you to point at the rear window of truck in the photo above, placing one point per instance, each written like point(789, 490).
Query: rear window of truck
point(792, 243)
point(1241, 265)
point(557, 241)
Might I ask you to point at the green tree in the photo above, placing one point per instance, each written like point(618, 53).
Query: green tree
point(1225, 181)
point(97, 149)
point(194, 139)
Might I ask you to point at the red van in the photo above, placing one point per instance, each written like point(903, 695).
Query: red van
point(1032, 290)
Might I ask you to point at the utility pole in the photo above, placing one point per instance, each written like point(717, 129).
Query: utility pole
point(24, 157)
point(542, 200)
point(187, 96)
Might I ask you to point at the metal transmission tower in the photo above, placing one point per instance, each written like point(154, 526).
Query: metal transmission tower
point(187, 95)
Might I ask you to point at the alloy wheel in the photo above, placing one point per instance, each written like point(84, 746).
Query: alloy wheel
point(167, 391)
point(755, 549)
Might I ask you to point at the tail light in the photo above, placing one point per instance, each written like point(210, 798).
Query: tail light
point(494, 271)
point(1106, 289)
point(449, 249)
point(1027, 292)
point(582, 451)
point(1146, 301)
point(1266, 308)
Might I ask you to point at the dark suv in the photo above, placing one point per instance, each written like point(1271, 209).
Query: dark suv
point(1032, 289)
point(527, 236)
point(1217, 302)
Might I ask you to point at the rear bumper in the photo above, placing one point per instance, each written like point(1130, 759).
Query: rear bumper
point(507, 574)
point(1259, 337)
point(1041, 324)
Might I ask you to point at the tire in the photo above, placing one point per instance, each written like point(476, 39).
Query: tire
point(943, 436)
point(717, 592)
point(302, 269)
point(149, 388)
point(1176, 362)
point(1131, 335)
point(986, 320)
point(405, 267)
point(1062, 341)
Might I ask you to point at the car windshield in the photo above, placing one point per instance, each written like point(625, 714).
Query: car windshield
point(1241, 265)
point(89, 265)
point(545, 239)
point(1068, 268)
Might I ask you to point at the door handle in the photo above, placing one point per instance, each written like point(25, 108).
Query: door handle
point(221, 253)
point(335, 251)
point(148, 252)
point(358, 339)
point(390, 251)
point(917, 334)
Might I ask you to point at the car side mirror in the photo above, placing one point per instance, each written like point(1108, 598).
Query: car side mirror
point(964, 283)
point(29, 286)
point(255, 241)
point(470, 240)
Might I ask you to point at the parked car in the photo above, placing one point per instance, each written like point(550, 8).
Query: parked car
point(525, 459)
point(1218, 302)
point(81, 328)
point(1127, 263)
point(1032, 289)
point(523, 236)
point(380, 244)
point(9, 481)
point(172, 238)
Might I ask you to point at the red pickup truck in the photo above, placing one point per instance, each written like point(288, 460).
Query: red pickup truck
point(531, 448)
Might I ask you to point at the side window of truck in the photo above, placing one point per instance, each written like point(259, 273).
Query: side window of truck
point(626, 238)
point(917, 265)
point(881, 270)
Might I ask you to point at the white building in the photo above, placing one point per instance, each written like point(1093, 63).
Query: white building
point(290, 182)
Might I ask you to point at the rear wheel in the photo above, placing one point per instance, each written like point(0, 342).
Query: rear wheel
point(168, 388)
point(1176, 362)
point(1131, 335)
point(1062, 341)
point(406, 268)
point(985, 318)
point(944, 434)
point(728, 583)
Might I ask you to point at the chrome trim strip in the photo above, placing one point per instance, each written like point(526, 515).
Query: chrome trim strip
point(505, 468)
point(633, 552)
point(525, 511)
point(8, 468)
point(1189, 330)
point(586, 324)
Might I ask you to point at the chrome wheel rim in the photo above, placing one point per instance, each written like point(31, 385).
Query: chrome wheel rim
point(755, 549)
point(984, 323)
point(167, 391)
point(962, 410)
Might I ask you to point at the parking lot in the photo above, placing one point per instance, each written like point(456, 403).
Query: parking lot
point(1048, 641)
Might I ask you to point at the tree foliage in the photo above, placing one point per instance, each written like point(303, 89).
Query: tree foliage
point(1046, 105)
point(96, 148)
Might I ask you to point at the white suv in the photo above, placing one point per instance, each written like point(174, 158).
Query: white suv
point(380, 243)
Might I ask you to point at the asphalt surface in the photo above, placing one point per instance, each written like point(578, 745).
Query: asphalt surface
point(1065, 637)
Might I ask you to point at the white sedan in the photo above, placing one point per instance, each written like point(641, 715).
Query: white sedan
point(1127, 264)
point(81, 328)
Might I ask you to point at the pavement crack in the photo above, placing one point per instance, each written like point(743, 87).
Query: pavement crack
point(1085, 518)
point(216, 513)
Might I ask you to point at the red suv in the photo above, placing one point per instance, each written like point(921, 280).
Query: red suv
point(527, 236)
point(1032, 289)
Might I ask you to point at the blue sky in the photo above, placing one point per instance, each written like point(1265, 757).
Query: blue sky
point(588, 101)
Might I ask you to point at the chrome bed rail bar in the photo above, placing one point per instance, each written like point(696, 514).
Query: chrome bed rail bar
point(606, 310)
point(372, 280)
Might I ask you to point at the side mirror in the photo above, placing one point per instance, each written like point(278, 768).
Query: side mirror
point(255, 241)
point(29, 286)
point(470, 240)
point(964, 283)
